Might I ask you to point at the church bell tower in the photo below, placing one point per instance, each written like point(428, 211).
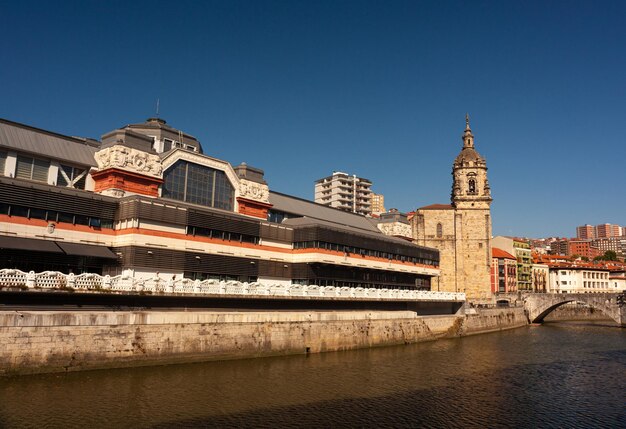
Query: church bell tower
point(470, 187)
point(461, 231)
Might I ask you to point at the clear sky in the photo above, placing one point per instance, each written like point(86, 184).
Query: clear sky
point(374, 88)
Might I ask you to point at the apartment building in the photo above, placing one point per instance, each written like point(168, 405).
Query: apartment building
point(345, 192)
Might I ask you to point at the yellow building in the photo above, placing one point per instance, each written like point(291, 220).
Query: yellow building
point(378, 203)
point(461, 230)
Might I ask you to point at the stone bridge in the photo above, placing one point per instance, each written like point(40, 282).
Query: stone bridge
point(539, 305)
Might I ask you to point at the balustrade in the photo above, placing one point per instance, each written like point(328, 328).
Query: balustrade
point(13, 278)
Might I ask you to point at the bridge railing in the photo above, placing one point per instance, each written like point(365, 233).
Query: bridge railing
point(91, 282)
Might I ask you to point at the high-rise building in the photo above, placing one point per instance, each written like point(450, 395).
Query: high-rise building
point(604, 230)
point(607, 230)
point(461, 230)
point(378, 203)
point(345, 192)
point(585, 232)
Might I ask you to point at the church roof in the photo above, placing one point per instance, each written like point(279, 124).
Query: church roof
point(468, 154)
point(437, 207)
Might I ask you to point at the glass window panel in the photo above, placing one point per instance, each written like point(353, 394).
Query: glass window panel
point(80, 183)
point(19, 211)
point(66, 217)
point(81, 220)
point(37, 214)
point(199, 185)
point(24, 167)
point(3, 157)
point(174, 181)
point(106, 223)
point(40, 170)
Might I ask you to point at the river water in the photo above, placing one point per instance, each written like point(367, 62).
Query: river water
point(570, 375)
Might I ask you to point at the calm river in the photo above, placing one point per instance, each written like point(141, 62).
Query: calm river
point(566, 375)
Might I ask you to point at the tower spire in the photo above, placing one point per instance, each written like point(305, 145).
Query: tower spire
point(468, 137)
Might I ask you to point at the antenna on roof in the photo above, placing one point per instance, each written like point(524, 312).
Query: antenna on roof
point(157, 108)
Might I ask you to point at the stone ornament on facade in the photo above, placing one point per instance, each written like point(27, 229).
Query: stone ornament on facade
point(114, 192)
point(129, 159)
point(254, 191)
point(396, 229)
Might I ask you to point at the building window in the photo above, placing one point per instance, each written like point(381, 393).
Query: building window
point(471, 186)
point(197, 184)
point(32, 168)
point(439, 230)
point(71, 177)
point(3, 158)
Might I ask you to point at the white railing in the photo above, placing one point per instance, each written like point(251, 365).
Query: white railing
point(12, 278)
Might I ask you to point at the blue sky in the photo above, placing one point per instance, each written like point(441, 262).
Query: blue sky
point(374, 88)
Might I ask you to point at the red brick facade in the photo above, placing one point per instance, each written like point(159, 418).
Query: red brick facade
point(113, 178)
point(253, 208)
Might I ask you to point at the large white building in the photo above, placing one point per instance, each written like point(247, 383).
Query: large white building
point(345, 192)
point(581, 279)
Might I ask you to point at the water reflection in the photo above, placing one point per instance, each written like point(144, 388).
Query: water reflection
point(562, 375)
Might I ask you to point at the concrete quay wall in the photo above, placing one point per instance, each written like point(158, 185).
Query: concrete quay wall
point(38, 341)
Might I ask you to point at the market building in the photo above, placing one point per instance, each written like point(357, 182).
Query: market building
point(146, 201)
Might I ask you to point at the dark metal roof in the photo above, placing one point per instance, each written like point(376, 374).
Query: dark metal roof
point(9, 242)
point(309, 209)
point(377, 234)
point(23, 138)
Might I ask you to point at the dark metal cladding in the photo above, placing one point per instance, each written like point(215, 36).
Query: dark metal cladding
point(55, 198)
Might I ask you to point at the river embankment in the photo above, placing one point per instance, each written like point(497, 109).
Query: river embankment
point(60, 341)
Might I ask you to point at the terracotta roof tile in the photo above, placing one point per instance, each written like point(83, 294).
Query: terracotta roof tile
point(499, 253)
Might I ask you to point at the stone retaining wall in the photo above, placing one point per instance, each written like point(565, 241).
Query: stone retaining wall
point(575, 311)
point(494, 319)
point(67, 341)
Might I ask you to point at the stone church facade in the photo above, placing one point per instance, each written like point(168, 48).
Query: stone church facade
point(461, 230)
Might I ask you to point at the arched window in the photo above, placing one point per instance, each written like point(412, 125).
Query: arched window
point(471, 186)
point(439, 230)
point(198, 184)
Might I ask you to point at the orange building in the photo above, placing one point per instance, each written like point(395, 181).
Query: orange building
point(503, 271)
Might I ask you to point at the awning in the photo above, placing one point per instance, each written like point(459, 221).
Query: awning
point(86, 250)
point(18, 243)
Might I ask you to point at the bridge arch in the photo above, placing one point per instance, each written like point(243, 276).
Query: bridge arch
point(538, 306)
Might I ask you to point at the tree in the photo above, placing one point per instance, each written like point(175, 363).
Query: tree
point(609, 255)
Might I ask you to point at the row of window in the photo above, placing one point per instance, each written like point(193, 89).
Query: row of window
point(54, 216)
point(37, 169)
point(362, 252)
point(355, 284)
point(221, 277)
point(596, 285)
point(198, 184)
point(592, 275)
point(222, 235)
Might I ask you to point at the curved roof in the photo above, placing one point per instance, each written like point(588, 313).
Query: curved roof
point(468, 154)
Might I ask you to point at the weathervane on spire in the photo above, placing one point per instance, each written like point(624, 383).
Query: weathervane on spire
point(467, 127)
